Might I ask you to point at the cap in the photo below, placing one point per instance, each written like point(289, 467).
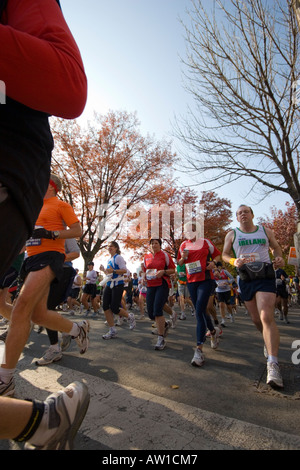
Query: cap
point(55, 182)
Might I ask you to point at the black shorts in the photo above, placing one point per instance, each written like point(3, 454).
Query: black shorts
point(9, 277)
point(224, 296)
point(112, 298)
point(282, 292)
point(75, 292)
point(90, 289)
point(249, 289)
point(59, 290)
point(53, 259)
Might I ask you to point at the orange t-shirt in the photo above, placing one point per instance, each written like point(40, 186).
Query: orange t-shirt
point(55, 215)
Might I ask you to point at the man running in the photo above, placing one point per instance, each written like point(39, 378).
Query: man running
point(251, 244)
point(44, 265)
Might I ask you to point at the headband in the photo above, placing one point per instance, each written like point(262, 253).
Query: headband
point(53, 185)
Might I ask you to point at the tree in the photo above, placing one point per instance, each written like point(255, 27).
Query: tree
point(242, 68)
point(175, 207)
point(284, 225)
point(106, 169)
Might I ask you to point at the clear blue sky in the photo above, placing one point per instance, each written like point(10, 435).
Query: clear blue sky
point(131, 50)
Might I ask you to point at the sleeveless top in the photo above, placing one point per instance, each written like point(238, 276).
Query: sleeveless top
point(253, 246)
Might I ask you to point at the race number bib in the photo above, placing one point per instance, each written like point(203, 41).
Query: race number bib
point(251, 257)
point(151, 274)
point(194, 267)
point(34, 241)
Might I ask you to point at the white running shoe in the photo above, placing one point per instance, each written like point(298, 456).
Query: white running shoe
point(64, 413)
point(161, 344)
point(82, 339)
point(173, 319)
point(131, 319)
point(274, 378)
point(214, 339)
point(198, 359)
point(110, 334)
point(168, 324)
point(51, 355)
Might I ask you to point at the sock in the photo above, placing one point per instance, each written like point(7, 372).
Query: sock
point(74, 330)
point(55, 347)
point(272, 359)
point(33, 423)
point(6, 375)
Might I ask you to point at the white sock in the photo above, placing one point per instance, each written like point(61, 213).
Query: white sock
point(74, 330)
point(273, 359)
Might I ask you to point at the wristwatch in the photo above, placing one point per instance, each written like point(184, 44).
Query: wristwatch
point(55, 234)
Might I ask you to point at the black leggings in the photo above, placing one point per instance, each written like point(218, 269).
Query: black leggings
point(112, 298)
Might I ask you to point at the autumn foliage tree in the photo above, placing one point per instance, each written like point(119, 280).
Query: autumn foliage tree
point(176, 206)
point(284, 225)
point(106, 169)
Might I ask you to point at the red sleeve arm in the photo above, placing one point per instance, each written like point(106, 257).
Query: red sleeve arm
point(40, 62)
point(171, 263)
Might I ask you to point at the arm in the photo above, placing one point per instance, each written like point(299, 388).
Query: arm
point(227, 251)
point(74, 231)
point(278, 260)
point(40, 64)
point(71, 256)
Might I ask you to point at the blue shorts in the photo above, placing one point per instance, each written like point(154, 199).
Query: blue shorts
point(249, 289)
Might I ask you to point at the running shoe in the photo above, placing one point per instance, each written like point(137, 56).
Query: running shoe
point(214, 339)
point(274, 378)
point(82, 339)
point(64, 413)
point(3, 336)
point(198, 359)
point(173, 319)
point(167, 327)
point(182, 316)
point(161, 344)
point(131, 319)
point(65, 341)
point(7, 390)
point(51, 355)
point(110, 334)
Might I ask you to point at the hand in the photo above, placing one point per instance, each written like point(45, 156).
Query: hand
point(42, 233)
point(211, 265)
point(160, 273)
point(278, 262)
point(239, 262)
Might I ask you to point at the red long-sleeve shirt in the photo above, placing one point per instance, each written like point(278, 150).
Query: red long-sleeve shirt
point(40, 62)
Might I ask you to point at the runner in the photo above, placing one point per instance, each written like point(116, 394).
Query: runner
point(158, 265)
point(250, 245)
point(199, 256)
point(43, 265)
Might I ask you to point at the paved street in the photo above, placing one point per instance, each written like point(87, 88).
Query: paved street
point(146, 399)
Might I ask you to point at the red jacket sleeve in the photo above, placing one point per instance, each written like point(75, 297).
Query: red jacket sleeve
point(40, 62)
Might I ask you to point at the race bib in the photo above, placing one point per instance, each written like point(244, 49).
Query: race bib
point(251, 257)
point(194, 267)
point(34, 242)
point(151, 274)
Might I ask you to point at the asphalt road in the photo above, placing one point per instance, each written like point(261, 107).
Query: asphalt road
point(231, 383)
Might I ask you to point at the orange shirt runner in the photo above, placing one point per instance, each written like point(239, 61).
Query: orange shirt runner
point(55, 215)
